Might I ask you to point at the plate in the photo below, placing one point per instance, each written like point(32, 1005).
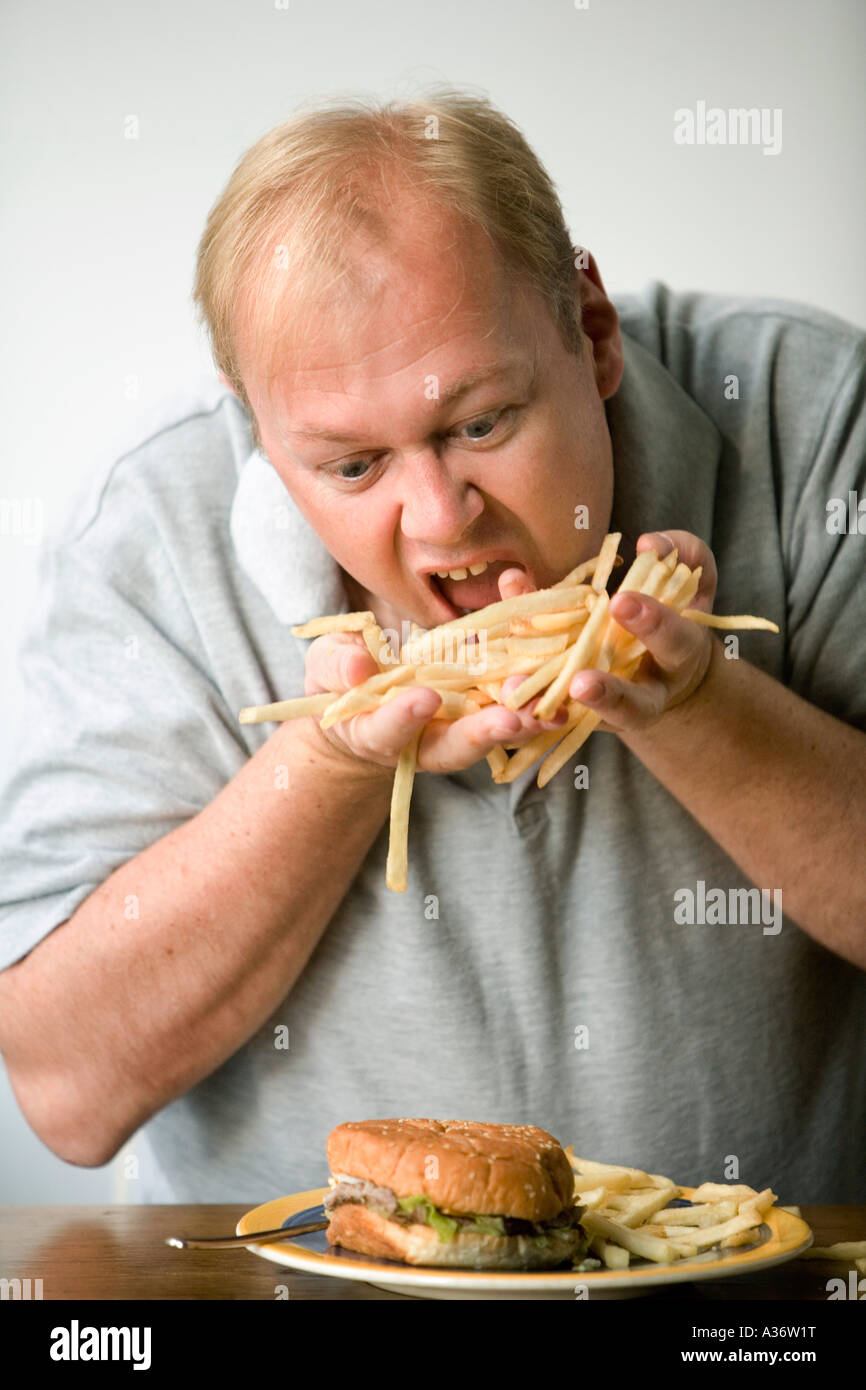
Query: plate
point(780, 1238)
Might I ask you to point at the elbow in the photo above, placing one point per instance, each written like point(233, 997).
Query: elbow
point(75, 1137)
point(80, 1150)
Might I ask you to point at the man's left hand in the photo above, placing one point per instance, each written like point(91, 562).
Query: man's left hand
point(678, 650)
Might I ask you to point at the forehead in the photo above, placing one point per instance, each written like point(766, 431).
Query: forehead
point(432, 299)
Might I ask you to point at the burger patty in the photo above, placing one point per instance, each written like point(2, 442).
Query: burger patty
point(384, 1200)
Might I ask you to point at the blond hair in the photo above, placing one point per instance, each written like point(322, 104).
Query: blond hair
point(275, 240)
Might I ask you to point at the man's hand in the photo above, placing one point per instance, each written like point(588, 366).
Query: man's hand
point(678, 650)
point(340, 660)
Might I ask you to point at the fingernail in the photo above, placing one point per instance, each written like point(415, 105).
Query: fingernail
point(504, 730)
point(422, 709)
point(629, 607)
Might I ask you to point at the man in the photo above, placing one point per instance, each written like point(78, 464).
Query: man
point(231, 972)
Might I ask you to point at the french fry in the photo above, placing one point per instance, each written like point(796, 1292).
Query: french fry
point(741, 620)
point(583, 655)
point(625, 1213)
point(648, 1247)
point(700, 1214)
point(705, 1236)
point(633, 1209)
point(401, 795)
point(589, 1182)
point(591, 1197)
point(356, 699)
point(558, 622)
point(709, 1191)
point(522, 646)
point(375, 642)
point(604, 563)
point(497, 760)
point(538, 681)
point(288, 709)
point(842, 1250)
point(335, 622)
point(586, 725)
point(739, 1238)
point(614, 1256)
point(525, 605)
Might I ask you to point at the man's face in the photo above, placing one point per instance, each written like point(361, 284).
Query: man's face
point(422, 478)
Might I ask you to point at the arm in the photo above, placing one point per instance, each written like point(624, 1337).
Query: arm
point(777, 782)
point(108, 1019)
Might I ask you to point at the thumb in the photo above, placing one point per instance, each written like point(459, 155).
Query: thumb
point(513, 583)
point(337, 661)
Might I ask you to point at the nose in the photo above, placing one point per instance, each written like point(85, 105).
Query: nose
point(438, 504)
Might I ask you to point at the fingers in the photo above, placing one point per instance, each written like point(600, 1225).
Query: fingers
point(448, 745)
point(691, 551)
point(381, 734)
point(671, 640)
point(513, 583)
point(527, 712)
point(678, 651)
point(337, 661)
point(622, 704)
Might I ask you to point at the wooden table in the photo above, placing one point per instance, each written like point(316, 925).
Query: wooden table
point(119, 1252)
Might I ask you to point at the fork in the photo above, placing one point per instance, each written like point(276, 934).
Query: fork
point(251, 1238)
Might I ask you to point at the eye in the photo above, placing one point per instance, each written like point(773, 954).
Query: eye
point(486, 424)
point(490, 421)
point(352, 477)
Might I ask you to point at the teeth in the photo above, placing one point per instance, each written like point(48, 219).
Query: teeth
point(461, 574)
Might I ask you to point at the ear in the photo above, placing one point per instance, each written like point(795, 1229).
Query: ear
point(600, 324)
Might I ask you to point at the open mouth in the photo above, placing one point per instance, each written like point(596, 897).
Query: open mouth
point(476, 591)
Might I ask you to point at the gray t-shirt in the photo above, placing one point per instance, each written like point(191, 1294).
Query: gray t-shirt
point(533, 971)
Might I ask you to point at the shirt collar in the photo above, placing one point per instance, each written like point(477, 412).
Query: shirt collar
point(666, 453)
point(279, 550)
point(665, 450)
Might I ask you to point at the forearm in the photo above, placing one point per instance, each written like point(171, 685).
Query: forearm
point(176, 960)
point(779, 785)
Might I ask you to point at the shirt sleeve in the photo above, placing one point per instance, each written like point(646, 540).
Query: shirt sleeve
point(826, 569)
point(122, 733)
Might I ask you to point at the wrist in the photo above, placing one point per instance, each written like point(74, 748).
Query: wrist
point(705, 675)
point(337, 765)
point(691, 712)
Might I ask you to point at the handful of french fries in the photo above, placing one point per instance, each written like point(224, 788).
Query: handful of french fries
point(627, 1213)
point(546, 636)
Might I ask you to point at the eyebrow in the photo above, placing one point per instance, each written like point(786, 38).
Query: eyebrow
point(459, 388)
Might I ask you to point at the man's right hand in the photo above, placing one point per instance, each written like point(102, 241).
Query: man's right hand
point(341, 660)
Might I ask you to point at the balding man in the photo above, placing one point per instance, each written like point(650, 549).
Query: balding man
point(426, 377)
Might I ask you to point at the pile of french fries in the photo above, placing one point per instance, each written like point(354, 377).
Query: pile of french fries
point(546, 636)
point(627, 1213)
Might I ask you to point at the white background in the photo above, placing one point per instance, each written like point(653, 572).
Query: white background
point(100, 231)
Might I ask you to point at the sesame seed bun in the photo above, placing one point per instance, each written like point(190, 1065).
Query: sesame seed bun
point(464, 1167)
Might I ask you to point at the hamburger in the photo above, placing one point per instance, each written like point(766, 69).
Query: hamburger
point(453, 1193)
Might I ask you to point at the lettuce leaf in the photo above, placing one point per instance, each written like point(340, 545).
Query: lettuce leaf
point(489, 1225)
point(444, 1226)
